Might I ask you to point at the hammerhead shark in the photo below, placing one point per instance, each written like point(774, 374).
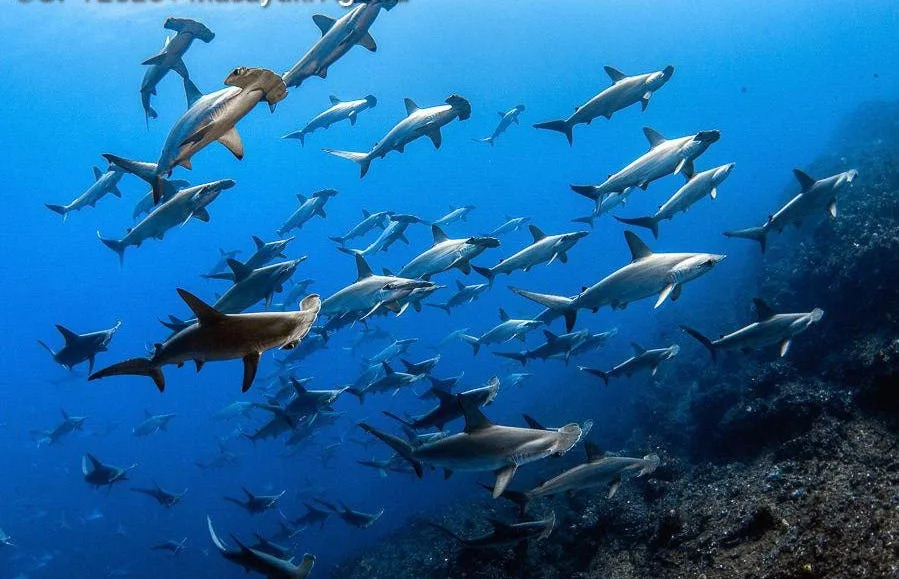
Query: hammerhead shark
point(99, 474)
point(264, 563)
point(256, 504)
point(162, 496)
point(81, 347)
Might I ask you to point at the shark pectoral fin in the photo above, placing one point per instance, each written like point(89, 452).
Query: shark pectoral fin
point(323, 22)
point(447, 473)
point(680, 165)
point(305, 566)
point(644, 100)
point(368, 43)
point(436, 137)
point(352, 116)
point(201, 214)
point(503, 478)
point(714, 193)
point(199, 364)
point(464, 266)
point(231, 141)
point(154, 60)
point(785, 347)
point(663, 295)
point(250, 364)
point(655, 370)
point(180, 69)
point(196, 136)
point(90, 365)
point(832, 208)
point(675, 295)
point(563, 257)
point(613, 487)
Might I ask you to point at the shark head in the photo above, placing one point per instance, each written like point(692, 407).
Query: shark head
point(209, 192)
point(695, 266)
point(371, 101)
point(460, 105)
point(189, 26)
point(722, 173)
point(707, 137)
point(485, 242)
point(657, 80)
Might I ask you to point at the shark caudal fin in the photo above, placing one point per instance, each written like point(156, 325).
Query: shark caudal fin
point(133, 367)
point(486, 272)
point(360, 394)
point(488, 140)
point(443, 307)
point(403, 448)
point(300, 135)
point(473, 341)
point(650, 223)
point(518, 356)
point(60, 209)
point(115, 245)
point(702, 340)
point(363, 159)
point(759, 234)
point(559, 304)
point(149, 172)
point(588, 191)
point(598, 373)
point(517, 497)
point(558, 126)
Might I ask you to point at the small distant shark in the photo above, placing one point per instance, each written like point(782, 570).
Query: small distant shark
point(814, 198)
point(455, 214)
point(370, 292)
point(464, 294)
point(507, 329)
point(504, 534)
point(511, 224)
point(449, 408)
point(253, 560)
point(545, 248)
point(266, 252)
point(174, 547)
point(81, 347)
point(256, 504)
point(446, 254)
point(556, 346)
point(483, 446)
point(314, 205)
point(217, 336)
point(419, 122)
point(153, 423)
point(648, 274)
point(370, 220)
point(770, 328)
point(68, 425)
point(338, 111)
point(211, 117)
point(395, 231)
point(391, 351)
point(625, 91)
point(353, 518)
point(6, 540)
point(338, 37)
point(313, 516)
point(162, 496)
point(642, 360)
point(104, 183)
point(391, 381)
point(170, 58)
point(98, 474)
point(505, 121)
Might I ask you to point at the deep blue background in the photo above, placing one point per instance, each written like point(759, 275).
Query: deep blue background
point(70, 92)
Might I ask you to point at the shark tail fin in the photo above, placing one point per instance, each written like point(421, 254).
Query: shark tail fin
point(519, 498)
point(60, 209)
point(46, 347)
point(402, 447)
point(115, 245)
point(473, 341)
point(443, 307)
point(702, 340)
point(363, 159)
point(759, 234)
point(149, 172)
point(488, 140)
point(486, 272)
point(360, 394)
point(588, 191)
point(649, 223)
point(133, 367)
point(513, 356)
point(604, 376)
point(300, 135)
point(558, 126)
point(397, 418)
point(559, 304)
point(445, 531)
point(338, 239)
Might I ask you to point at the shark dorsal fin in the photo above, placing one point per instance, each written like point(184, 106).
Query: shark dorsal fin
point(323, 22)
point(593, 451)
point(439, 235)
point(639, 250)
point(614, 73)
point(499, 527)
point(241, 271)
point(301, 198)
point(67, 334)
point(638, 349)
point(532, 422)
point(362, 268)
point(205, 313)
point(443, 396)
point(474, 418)
point(334, 100)
point(95, 463)
point(654, 137)
point(550, 337)
point(503, 316)
point(259, 243)
point(366, 213)
point(97, 173)
point(459, 285)
point(536, 232)
point(763, 310)
point(387, 369)
point(297, 386)
point(805, 182)
point(411, 107)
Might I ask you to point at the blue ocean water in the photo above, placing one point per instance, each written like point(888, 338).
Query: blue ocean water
point(772, 77)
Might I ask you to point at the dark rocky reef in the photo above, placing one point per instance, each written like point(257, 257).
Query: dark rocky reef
point(771, 468)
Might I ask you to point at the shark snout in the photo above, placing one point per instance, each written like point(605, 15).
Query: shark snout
point(723, 172)
point(715, 259)
point(484, 241)
point(708, 136)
